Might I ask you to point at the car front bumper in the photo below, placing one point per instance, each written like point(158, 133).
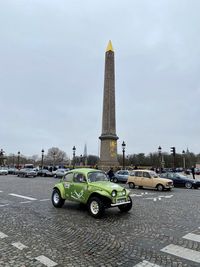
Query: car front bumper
point(120, 203)
point(169, 186)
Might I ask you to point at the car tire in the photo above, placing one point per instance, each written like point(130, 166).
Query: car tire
point(188, 185)
point(126, 207)
point(131, 185)
point(160, 187)
point(56, 199)
point(115, 180)
point(96, 207)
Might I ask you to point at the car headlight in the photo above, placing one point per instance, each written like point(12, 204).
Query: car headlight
point(124, 192)
point(169, 183)
point(114, 193)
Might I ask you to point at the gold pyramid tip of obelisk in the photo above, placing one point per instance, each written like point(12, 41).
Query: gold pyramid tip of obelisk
point(109, 47)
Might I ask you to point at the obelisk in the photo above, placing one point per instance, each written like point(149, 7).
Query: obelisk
point(108, 150)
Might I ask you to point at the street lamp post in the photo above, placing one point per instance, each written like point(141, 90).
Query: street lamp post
point(74, 153)
point(183, 153)
point(42, 162)
point(160, 157)
point(123, 151)
point(54, 159)
point(1, 156)
point(18, 155)
point(13, 158)
point(81, 158)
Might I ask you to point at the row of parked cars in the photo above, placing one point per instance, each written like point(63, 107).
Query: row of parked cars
point(148, 178)
point(140, 178)
point(33, 172)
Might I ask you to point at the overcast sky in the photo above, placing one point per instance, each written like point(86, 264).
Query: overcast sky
point(52, 56)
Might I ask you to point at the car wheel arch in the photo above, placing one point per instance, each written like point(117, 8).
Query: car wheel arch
point(106, 200)
point(61, 190)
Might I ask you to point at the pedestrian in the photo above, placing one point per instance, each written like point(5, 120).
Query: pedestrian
point(193, 172)
point(110, 173)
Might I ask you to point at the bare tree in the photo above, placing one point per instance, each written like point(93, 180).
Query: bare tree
point(55, 156)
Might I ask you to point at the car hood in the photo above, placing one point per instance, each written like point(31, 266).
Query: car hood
point(106, 185)
point(165, 179)
point(189, 179)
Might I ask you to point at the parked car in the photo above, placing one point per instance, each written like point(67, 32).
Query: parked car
point(181, 180)
point(27, 173)
point(147, 178)
point(3, 171)
point(59, 173)
point(12, 170)
point(92, 188)
point(120, 176)
point(44, 173)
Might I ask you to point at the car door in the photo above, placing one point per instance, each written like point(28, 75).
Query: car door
point(147, 181)
point(78, 188)
point(138, 178)
point(119, 175)
point(178, 181)
point(123, 176)
point(67, 184)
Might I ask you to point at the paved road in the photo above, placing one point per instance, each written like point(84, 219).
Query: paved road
point(162, 229)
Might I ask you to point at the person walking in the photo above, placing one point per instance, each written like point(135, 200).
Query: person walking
point(193, 172)
point(110, 173)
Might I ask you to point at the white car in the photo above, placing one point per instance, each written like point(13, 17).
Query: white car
point(3, 171)
point(59, 173)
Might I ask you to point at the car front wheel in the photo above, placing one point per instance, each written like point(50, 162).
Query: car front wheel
point(131, 185)
point(126, 207)
point(96, 207)
point(188, 185)
point(160, 187)
point(56, 198)
point(115, 180)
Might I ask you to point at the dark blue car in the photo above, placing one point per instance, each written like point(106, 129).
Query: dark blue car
point(180, 180)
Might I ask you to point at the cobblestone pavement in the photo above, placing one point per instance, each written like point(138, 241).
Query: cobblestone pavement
point(162, 229)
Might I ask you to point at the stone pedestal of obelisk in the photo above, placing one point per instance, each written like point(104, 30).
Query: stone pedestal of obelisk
point(108, 150)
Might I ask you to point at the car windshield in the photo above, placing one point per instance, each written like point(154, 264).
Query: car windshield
point(97, 176)
point(181, 176)
point(153, 174)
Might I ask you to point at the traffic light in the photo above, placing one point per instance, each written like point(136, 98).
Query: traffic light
point(173, 151)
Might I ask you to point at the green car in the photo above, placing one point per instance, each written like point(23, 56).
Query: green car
point(92, 188)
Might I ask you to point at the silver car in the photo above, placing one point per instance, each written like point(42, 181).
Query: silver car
point(59, 173)
point(27, 173)
point(120, 176)
point(3, 171)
